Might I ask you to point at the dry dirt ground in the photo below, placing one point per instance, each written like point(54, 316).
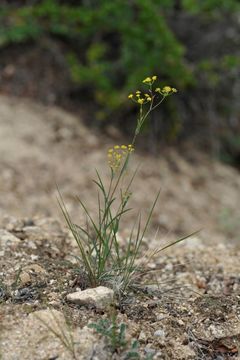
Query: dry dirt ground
point(192, 311)
point(41, 147)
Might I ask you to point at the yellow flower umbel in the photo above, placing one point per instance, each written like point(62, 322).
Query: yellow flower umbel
point(152, 97)
point(166, 90)
point(149, 100)
point(117, 156)
point(150, 80)
point(140, 98)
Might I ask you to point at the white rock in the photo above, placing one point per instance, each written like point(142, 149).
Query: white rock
point(181, 322)
point(100, 297)
point(142, 336)
point(159, 333)
point(7, 239)
point(34, 257)
point(161, 317)
point(169, 267)
point(149, 351)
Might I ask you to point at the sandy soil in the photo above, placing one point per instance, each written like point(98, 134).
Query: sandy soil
point(187, 303)
point(41, 146)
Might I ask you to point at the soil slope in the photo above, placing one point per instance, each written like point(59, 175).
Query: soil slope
point(41, 146)
point(187, 303)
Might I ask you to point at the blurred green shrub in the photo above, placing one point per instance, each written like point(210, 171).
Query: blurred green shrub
point(212, 7)
point(109, 46)
point(114, 44)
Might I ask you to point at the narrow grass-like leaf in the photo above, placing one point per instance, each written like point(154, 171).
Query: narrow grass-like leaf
point(75, 233)
point(175, 242)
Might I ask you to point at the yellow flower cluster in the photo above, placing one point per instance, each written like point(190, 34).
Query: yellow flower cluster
point(140, 98)
point(150, 80)
point(166, 90)
point(117, 154)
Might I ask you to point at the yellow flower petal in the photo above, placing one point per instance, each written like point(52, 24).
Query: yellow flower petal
point(147, 80)
point(167, 89)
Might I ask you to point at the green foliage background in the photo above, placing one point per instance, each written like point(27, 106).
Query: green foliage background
point(110, 46)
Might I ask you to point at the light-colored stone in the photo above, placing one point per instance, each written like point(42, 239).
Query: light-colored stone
point(159, 333)
point(33, 273)
point(10, 223)
point(7, 239)
point(149, 351)
point(142, 336)
point(41, 335)
point(34, 268)
point(216, 331)
point(25, 278)
point(54, 298)
point(100, 297)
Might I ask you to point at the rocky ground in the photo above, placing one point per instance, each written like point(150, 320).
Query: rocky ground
point(188, 305)
point(189, 309)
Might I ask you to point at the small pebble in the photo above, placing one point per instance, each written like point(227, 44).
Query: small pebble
point(149, 351)
point(161, 317)
point(159, 333)
point(142, 336)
